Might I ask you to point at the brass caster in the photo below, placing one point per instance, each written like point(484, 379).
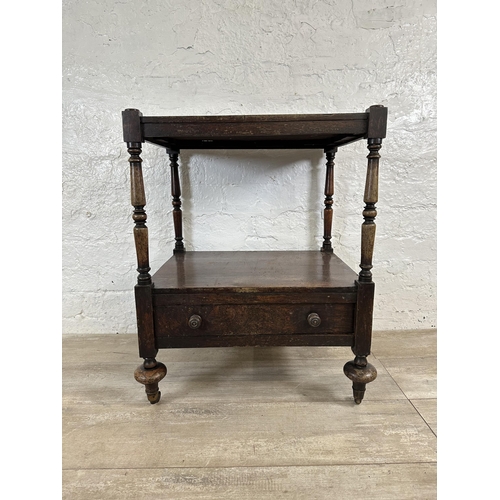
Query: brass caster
point(154, 398)
point(358, 392)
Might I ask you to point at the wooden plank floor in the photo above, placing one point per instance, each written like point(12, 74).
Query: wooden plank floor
point(249, 423)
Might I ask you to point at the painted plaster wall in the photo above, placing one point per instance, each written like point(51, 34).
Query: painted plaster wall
point(246, 57)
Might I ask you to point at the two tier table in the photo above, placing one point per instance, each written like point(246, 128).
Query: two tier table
point(254, 298)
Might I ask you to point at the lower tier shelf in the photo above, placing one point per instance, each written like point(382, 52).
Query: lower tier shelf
point(271, 272)
point(254, 298)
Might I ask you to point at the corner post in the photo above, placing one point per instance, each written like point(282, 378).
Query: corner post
point(360, 371)
point(377, 124)
point(133, 137)
point(151, 371)
point(176, 199)
point(328, 211)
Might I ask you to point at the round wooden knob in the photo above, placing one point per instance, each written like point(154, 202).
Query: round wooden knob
point(313, 319)
point(194, 321)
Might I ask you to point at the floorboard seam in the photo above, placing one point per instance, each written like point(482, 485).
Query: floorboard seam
point(352, 464)
point(416, 409)
point(408, 399)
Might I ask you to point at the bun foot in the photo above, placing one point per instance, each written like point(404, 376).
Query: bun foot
point(361, 373)
point(150, 373)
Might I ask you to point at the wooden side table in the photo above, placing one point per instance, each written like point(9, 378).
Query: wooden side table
point(258, 298)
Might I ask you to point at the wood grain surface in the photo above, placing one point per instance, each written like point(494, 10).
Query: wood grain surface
point(275, 271)
point(339, 482)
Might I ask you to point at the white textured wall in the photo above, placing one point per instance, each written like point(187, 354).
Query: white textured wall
point(246, 57)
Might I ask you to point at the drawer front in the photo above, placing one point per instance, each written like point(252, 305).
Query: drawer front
point(254, 319)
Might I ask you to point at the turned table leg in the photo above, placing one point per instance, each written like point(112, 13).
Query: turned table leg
point(361, 373)
point(150, 373)
point(328, 211)
point(176, 199)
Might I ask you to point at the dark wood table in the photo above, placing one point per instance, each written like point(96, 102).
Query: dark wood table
point(257, 298)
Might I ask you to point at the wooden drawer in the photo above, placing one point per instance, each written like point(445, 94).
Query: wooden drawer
point(252, 319)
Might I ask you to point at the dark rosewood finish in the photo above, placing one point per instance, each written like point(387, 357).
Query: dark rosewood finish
point(215, 299)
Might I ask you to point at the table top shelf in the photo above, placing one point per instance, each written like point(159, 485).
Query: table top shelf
point(255, 131)
point(303, 131)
